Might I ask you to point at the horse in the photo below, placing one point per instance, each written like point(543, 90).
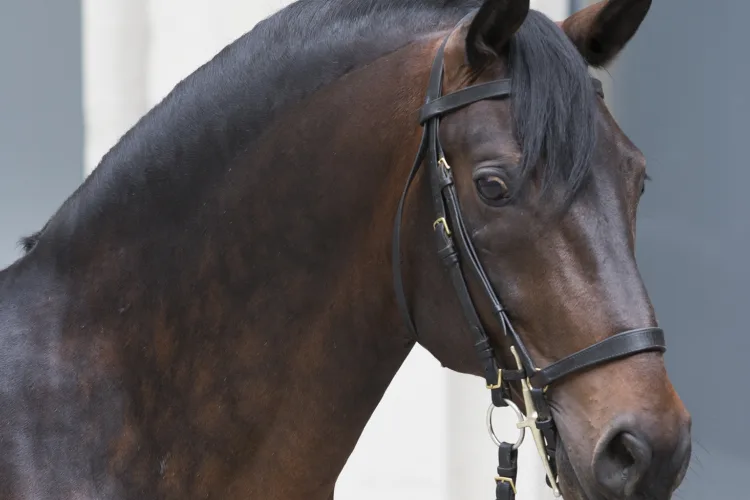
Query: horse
point(218, 309)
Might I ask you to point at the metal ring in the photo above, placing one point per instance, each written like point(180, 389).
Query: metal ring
point(521, 418)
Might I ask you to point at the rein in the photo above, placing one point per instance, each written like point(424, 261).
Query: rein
point(456, 251)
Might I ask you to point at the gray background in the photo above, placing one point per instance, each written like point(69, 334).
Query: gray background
point(680, 92)
point(41, 118)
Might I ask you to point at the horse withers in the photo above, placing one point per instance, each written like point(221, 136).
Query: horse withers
point(212, 313)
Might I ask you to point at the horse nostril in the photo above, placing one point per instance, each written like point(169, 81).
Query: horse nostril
point(621, 463)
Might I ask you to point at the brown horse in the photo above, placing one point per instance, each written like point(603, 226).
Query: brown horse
point(212, 314)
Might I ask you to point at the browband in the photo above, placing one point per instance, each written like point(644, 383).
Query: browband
point(475, 93)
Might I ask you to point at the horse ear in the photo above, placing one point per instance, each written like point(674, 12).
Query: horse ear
point(600, 31)
point(492, 26)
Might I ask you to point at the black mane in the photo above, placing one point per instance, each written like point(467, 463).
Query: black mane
point(180, 147)
point(553, 104)
point(185, 141)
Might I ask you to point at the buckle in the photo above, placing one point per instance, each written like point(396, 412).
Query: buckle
point(499, 384)
point(444, 222)
point(509, 481)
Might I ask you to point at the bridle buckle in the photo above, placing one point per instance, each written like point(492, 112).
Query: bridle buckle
point(499, 384)
point(444, 223)
point(509, 481)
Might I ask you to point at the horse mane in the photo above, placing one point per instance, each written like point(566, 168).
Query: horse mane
point(216, 112)
point(183, 144)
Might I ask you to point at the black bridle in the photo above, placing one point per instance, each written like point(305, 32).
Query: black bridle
point(456, 250)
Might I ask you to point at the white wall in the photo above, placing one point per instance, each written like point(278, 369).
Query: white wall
point(115, 50)
point(427, 439)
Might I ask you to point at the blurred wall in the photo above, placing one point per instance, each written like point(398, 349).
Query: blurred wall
point(41, 129)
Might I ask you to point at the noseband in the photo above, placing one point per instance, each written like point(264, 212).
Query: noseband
point(456, 250)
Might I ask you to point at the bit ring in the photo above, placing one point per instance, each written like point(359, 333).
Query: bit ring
point(521, 418)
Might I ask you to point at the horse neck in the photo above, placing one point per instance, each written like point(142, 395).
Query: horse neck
point(272, 301)
point(327, 177)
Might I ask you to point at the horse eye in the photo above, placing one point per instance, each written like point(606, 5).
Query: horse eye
point(492, 188)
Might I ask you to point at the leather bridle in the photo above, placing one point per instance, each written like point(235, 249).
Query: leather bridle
point(456, 250)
